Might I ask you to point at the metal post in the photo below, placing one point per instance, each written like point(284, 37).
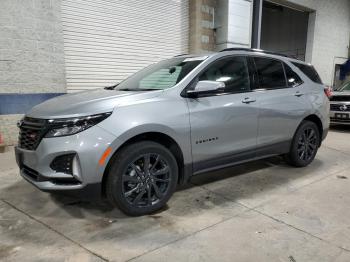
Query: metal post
point(256, 30)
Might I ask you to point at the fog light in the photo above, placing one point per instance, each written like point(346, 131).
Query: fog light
point(63, 164)
point(69, 165)
point(76, 168)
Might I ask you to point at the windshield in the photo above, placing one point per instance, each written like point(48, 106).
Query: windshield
point(162, 75)
point(345, 87)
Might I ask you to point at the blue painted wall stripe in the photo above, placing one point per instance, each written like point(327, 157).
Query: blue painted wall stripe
point(22, 103)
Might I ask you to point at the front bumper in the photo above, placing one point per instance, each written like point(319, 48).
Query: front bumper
point(88, 146)
point(339, 118)
point(336, 122)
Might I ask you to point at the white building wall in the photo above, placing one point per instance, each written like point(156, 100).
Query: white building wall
point(328, 36)
point(239, 23)
point(233, 23)
point(31, 55)
point(31, 47)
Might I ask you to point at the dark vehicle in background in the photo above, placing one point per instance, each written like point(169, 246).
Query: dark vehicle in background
point(340, 105)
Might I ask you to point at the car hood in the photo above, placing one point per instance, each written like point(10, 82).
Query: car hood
point(86, 103)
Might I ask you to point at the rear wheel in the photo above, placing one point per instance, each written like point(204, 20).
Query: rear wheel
point(142, 178)
point(304, 145)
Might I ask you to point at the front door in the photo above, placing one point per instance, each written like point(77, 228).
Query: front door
point(224, 124)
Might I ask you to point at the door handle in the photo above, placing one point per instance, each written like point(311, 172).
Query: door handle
point(298, 94)
point(248, 100)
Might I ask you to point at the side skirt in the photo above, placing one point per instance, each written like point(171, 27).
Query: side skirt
point(241, 157)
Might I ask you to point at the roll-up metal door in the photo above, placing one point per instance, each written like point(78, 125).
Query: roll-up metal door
point(107, 40)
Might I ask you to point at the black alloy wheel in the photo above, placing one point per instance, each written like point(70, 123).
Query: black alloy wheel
point(146, 180)
point(141, 178)
point(305, 144)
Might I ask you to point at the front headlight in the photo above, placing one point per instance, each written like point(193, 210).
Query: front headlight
point(71, 126)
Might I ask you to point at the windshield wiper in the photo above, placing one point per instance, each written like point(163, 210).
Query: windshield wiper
point(138, 89)
point(111, 87)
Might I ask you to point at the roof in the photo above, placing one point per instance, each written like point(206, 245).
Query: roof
point(253, 50)
point(261, 51)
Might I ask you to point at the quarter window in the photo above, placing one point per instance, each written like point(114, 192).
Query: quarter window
point(292, 78)
point(232, 71)
point(310, 72)
point(270, 73)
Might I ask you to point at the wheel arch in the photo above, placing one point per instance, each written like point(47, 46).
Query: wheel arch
point(160, 138)
point(315, 119)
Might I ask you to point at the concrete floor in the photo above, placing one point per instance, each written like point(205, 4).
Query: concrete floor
point(262, 211)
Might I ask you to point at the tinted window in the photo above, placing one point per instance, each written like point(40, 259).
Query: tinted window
point(270, 73)
point(344, 88)
point(292, 78)
point(232, 71)
point(310, 72)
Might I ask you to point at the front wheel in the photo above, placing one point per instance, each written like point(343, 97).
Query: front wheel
point(304, 145)
point(142, 178)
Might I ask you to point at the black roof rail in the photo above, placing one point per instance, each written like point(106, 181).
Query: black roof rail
point(254, 50)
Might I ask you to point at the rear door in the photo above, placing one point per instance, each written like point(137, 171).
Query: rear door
point(224, 124)
point(282, 104)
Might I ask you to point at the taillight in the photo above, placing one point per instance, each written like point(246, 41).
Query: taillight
point(328, 91)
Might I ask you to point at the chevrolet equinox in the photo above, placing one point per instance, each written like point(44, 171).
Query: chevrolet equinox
point(134, 142)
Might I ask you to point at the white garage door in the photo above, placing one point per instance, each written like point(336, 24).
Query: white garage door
point(107, 40)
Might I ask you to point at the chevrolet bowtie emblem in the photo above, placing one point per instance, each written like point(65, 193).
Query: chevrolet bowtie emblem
point(343, 107)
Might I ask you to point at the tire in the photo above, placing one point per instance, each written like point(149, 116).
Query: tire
point(135, 189)
point(305, 144)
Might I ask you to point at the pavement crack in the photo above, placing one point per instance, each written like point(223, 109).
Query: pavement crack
point(229, 218)
point(187, 236)
point(336, 149)
point(15, 169)
point(54, 230)
point(320, 179)
point(300, 230)
point(254, 209)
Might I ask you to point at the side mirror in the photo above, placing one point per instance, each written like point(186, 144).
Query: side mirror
point(205, 87)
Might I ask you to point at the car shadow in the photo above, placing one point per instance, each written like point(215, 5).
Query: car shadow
point(250, 177)
point(340, 128)
point(235, 171)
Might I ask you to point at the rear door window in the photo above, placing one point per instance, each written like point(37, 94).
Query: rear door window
point(270, 73)
point(310, 72)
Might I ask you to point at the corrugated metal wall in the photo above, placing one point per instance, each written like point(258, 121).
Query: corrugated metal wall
point(107, 40)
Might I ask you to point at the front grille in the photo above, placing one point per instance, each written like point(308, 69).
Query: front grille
point(36, 177)
point(340, 107)
point(65, 181)
point(341, 98)
point(31, 132)
point(333, 119)
point(31, 173)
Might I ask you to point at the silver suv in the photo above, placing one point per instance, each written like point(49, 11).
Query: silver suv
point(133, 143)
